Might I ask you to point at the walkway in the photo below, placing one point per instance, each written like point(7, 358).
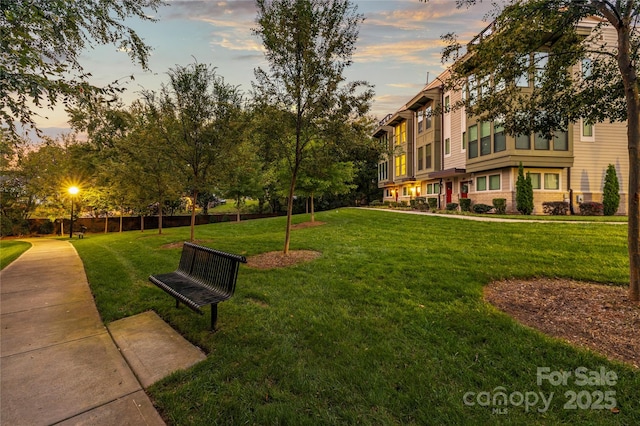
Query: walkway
point(58, 363)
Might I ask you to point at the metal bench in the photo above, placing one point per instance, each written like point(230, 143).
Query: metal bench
point(205, 276)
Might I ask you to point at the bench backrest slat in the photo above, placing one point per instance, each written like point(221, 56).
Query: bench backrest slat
point(211, 268)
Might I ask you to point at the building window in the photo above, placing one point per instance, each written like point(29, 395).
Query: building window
point(551, 181)
point(473, 141)
point(541, 142)
point(494, 182)
point(420, 157)
point(447, 146)
point(587, 132)
point(523, 142)
point(540, 61)
point(427, 160)
point(420, 120)
point(464, 141)
point(586, 68)
point(485, 85)
point(523, 79)
point(499, 137)
point(535, 180)
point(433, 188)
point(561, 141)
point(485, 138)
point(428, 117)
point(401, 165)
point(472, 85)
point(481, 183)
point(404, 191)
point(401, 133)
point(447, 104)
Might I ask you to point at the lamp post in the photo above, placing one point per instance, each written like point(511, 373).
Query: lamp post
point(73, 191)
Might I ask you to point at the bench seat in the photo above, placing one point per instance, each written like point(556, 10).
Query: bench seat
point(205, 276)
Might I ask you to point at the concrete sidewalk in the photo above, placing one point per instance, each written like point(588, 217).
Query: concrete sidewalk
point(58, 363)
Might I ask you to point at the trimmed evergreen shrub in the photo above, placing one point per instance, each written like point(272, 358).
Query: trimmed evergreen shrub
point(500, 204)
point(452, 206)
point(433, 203)
point(524, 192)
point(465, 204)
point(611, 192)
point(482, 208)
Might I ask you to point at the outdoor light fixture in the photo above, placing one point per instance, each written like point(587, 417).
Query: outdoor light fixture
point(73, 191)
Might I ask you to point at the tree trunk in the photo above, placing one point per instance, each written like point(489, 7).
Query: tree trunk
point(106, 223)
point(159, 218)
point(313, 212)
point(141, 223)
point(193, 214)
point(629, 78)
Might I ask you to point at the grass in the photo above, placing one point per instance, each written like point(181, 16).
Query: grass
point(387, 327)
point(11, 250)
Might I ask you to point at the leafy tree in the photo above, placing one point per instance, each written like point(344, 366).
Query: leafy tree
point(524, 192)
point(308, 45)
point(197, 117)
point(42, 41)
point(243, 177)
point(611, 192)
point(608, 91)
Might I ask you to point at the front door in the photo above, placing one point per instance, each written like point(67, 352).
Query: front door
point(449, 191)
point(464, 190)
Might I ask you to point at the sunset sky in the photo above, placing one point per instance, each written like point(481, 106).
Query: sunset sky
point(399, 44)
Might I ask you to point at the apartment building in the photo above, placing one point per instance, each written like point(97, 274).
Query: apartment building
point(436, 151)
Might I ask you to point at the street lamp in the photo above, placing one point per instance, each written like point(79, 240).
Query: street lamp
point(73, 191)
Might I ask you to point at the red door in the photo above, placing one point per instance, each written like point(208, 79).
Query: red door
point(449, 191)
point(464, 190)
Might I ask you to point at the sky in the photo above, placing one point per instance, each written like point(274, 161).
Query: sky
point(398, 48)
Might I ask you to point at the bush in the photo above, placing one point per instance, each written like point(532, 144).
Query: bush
point(376, 203)
point(465, 204)
point(46, 228)
point(433, 203)
point(500, 204)
point(611, 192)
point(481, 208)
point(524, 192)
point(403, 204)
point(555, 208)
point(452, 206)
point(591, 208)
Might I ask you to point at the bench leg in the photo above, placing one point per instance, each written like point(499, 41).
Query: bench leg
point(214, 316)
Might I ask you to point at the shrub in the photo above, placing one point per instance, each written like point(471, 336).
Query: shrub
point(413, 204)
point(555, 208)
point(375, 203)
point(481, 208)
point(452, 206)
point(524, 192)
point(500, 204)
point(591, 208)
point(465, 204)
point(46, 227)
point(611, 192)
point(433, 203)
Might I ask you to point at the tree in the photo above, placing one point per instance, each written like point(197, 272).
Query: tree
point(308, 45)
point(609, 91)
point(197, 116)
point(611, 192)
point(42, 41)
point(524, 192)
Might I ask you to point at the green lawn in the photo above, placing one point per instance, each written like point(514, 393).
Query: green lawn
point(10, 250)
point(387, 327)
